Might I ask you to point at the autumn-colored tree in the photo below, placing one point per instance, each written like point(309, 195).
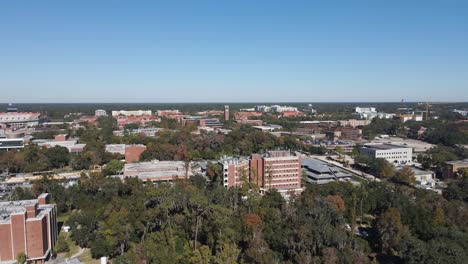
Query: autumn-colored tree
point(337, 202)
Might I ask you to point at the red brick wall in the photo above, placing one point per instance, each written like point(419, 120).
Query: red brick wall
point(5, 243)
point(18, 230)
point(35, 238)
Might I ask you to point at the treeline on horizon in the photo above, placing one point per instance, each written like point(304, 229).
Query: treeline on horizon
point(56, 111)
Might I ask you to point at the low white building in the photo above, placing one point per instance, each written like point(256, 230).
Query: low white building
point(131, 113)
point(392, 153)
point(100, 112)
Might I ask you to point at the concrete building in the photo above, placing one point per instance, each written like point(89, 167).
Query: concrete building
point(347, 133)
point(320, 172)
point(202, 121)
point(11, 143)
point(409, 117)
point(19, 119)
point(116, 148)
point(131, 113)
point(268, 128)
point(28, 226)
point(354, 122)
point(280, 170)
point(165, 113)
point(461, 112)
point(234, 169)
point(451, 167)
point(226, 112)
point(61, 140)
point(100, 112)
point(392, 153)
point(158, 171)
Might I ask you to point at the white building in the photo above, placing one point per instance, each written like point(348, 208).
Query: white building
point(392, 153)
point(363, 110)
point(100, 112)
point(131, 113)
point(158, 171)
point(116, 148)
point(19, 119)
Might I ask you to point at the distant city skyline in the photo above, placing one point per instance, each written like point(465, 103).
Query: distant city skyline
point(233, 52)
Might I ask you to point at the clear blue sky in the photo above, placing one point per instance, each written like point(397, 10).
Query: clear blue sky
point(233, 51)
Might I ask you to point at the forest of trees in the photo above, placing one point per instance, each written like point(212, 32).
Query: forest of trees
point(197, 221)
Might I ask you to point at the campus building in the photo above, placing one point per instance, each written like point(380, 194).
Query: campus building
point(29, 227)
point(131, 113)
point(392, 153)
point(19, 119)
point(280, 170)
point(452, 167)
point(157, 171)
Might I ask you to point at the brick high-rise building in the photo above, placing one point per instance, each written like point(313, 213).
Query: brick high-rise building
point(29, 227)
point(280, 170)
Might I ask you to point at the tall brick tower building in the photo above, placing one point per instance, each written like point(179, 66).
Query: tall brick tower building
point(29, 227)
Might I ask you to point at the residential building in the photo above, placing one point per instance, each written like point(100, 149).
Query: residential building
point(29, 227)
point(392, 153)
point(452, 167)
point(131, 113)
point(100, 112)
point(280, 170)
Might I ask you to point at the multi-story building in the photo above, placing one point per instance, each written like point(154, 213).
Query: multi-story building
point(409, 117)
point(100, 112)
point(61, 140)
point(29, 227)
point(19, 119)
point(202, 121)
point(165, 113)
point(347, 133)
point(158, 171)
point(392, 153)
point(235, 171)
point(280, 170)
point(131, 113)
point(354, 122)
point(451, 167)
point(11, 143)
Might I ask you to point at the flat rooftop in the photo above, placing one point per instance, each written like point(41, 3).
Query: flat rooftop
point(384, 146)
point(458, 162)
